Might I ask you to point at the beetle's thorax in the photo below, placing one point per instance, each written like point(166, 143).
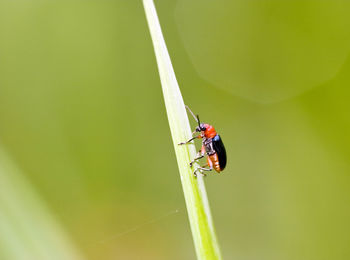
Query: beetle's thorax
point(209, 131)
point(208, 144)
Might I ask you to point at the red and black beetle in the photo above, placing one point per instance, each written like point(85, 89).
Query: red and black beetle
point(212, 145)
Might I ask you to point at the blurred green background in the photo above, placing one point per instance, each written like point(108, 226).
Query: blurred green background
point(87, 167)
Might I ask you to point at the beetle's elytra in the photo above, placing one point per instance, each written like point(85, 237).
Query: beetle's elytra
point(212, 145)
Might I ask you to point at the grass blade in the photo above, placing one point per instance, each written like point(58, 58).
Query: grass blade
point(27, 229)
point(201, 223)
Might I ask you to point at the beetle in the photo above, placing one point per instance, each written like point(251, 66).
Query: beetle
point(212, 145)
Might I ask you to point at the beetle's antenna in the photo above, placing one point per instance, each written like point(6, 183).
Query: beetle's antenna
point(199, 122)
point(195, 118)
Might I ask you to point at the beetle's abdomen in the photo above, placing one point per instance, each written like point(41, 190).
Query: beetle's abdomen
point(219, 149)
point(214, 159)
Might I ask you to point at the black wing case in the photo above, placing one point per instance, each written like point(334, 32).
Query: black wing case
point(219, 148)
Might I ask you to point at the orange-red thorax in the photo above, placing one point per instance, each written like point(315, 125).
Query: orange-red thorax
point(209, 131)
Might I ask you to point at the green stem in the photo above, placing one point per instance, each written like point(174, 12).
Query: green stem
point(201, 222)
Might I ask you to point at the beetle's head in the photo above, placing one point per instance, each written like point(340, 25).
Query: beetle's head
point(200, 127)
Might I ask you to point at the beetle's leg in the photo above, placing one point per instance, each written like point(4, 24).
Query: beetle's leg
point(203, 169)
point(199, 136)
point(199, 155)
point(209, 164)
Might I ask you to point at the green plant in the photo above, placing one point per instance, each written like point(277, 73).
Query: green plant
point(28, 230)
point(201, 222)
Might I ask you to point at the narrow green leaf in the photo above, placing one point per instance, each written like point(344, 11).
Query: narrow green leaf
point(202, 226)
point(27, 229)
